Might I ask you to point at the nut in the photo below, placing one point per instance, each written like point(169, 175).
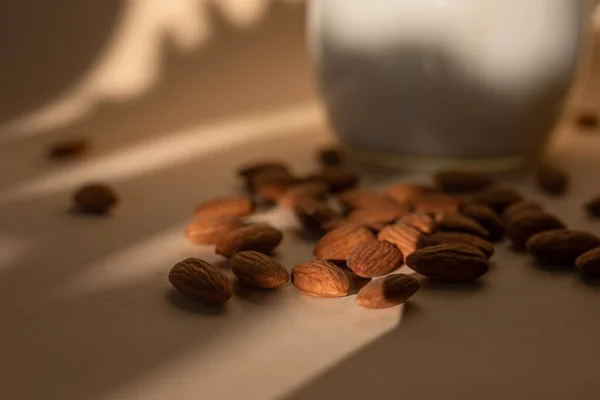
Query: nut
point(403, 236)
point(337, 179)
point(593, 207)
point(232, 206)
point(314, 191)
point(69, 148)
point(258, 270)
point(497, 198)
point(375, 218)
point(420, 221)
point(552, 179)
point(527, 224)
point(200, 281)
point(519, 207)
point(462, 181)
point(332, 156)
point(452, 263)
point(436, 203)
point(388, 291)
point(374, 258)
point(315, 215)
point(363, 198)
point(455, 222)
point(589, 263)
point(457, 238)
point(338, 243)
point(95, 198)
point(258, 237)
point(487, 218)
point(320, 278)
point(251, 170)
point(209, 230)
point(561, 246)
point(407, 193)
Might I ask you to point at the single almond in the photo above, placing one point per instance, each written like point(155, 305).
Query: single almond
point(436, 203)
point(314, 191)
point(403, 236)
point(337, 244)
point(587, 120)
point(483, 245)
point(388, 291)
point(593, 207)
point(497, 198)
point(561, 246)
point(376, 218)
point(462, 181)
point(552, 180)
point(421, 221)
point(337, 179)
point(320, 278)
point(455, 222)
point(69, 148)
point(332, 156)
point(519, 207)
point(374, 258)
point(209, 230)
point(232, 206)
point(271, 185)
point(364, 198)
point(589, 263)
point(200, 281)
point(315, 215)
point(487, 218)
point(452, 263)
point(95, 198)
point(257, 237)
point(258, 270)
point(527, 224)
point(407, 193)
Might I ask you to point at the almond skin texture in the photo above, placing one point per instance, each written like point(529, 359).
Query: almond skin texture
point(519, 207)
point(200, 281)
point(420, 221)
point(455, 222)
point(497, 198)
point(451, 263)
point(436, 203)
point(374, 258)
point(95, 198)
point(527, 224)
point(314, 215)
point(483, 245)
point(403, 236)
point(337, 244)
point(375, 218)
point(589, 263)
point(561, 246)
point(210, 230)
point(487, 218)
point(552, 180)
point(593, 207)
point(258, 270)
point(462, 181)
point(233, 206)
point(258, 237)
point(388, 291)
point(320, 278)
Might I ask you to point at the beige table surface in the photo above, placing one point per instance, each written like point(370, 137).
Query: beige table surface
point(87, 311)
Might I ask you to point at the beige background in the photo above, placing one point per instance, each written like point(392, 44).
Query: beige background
point(174, 95)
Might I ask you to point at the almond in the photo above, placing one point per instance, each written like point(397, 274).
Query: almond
point(519, 207)
point(95, 198)
point(314, 191)
point(320, 278)
point(69, 148)
point(593, 207)
point(337, 244)
point(587, 120)
point(527, 224)
point(233, 206)
point(388, 291)
point(561, 246)
point(452, 263)
point(271, 185)
point(457, 238)
point(258, 237)
point(363, 198)
point(407, 193)
point(374, 258)
point(589, 263)
point(337, 179)
point(552, 179)
point(332, 156)
point(436, 203)
point(455, 222)
point(250, 170)
point(200, 281)
point(462, 181)
point(487, 218)
point(315, 215)
point(258, 270)
point(403, 236)
point(375, 218)
point(209, 230)
point(420, 221)
point(497, 198)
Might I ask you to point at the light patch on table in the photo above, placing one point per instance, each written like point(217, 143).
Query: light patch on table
point(11, 248)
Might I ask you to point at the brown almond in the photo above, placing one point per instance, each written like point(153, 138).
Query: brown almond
point(69, 148)
point(552, 180)
point(452, 263)
point(200, 281)
point(332, 156)
point(497, 198)
point(314, 191)
point(315, 215)
point(589, 263)
point(320, 278)
point(455, 222)
point(527, 224)
point(388, 291)
point(407, 193)
point(258, 270)
point(374, 258)
point(209, 230)
point(483, 245)
point(487, 218)
point(436, 203)
point(95, 198)
point(364, 198)
point(587, 120)
point(403, 236)
point(249, 171)
point(271, 185)
point(593, 207)
point(375, 218)
point(257, 237)
point(561, 246)
point(232, 206)
point(421, 221)
point(337, 244)
point(462, 181)
point(337, 179)
point(519, 207)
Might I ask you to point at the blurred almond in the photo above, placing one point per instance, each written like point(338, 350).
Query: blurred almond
point(337, 244)
point(258, 237)
point(407, 193)
point(337, 179)
point(462, 181)
point(209, 230)
point(497, 198)
point(487, 218)
point(515, 209)
point(436, 203)
point(455, 222)
point(332, 156)
point(561, 246)
point(315, 215)
point(589, 263)
point(527, 224)
point(593, 207)
point(314, 191)
point(232, 206)
point(364, 198)
point(388, 291)
point(551, 179)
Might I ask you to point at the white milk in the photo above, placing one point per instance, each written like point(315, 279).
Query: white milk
point(471, 79)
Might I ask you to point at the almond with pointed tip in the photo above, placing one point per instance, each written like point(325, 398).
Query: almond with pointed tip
point(258, 270)
point(231, 206)
point(210, 230)
point(403, 236)
point(200, 281)
point(374, 258)
point(338, 243)
point(257, 237)
point(483, 245)
point(527, 224)
point(561, 246)
point(386, 292)
point(451, 263)
point(320, 279)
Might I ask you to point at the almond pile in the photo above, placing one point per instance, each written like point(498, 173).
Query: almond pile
point(444, 232)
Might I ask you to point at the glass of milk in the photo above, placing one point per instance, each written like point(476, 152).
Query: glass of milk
point(445, 83)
